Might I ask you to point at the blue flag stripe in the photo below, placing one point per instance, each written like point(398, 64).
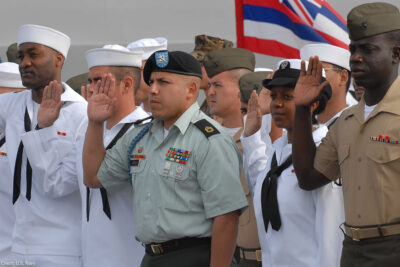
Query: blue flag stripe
point(270, 15)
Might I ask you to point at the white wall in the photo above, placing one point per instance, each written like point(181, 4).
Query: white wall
point(92, 23)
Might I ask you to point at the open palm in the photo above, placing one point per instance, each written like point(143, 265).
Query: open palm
point(51, 104)
point(309, 86)
point(254, 116)
point(101, 102)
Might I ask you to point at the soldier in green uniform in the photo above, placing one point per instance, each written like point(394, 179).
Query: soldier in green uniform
point(187, 195)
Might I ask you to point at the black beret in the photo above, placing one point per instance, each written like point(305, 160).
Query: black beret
point(174, 62)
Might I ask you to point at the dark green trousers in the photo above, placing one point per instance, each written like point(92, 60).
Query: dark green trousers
point(198, 256)
point(372, 252)
point(249, 263)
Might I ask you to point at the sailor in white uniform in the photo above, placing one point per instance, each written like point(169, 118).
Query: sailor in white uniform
point(293, 225)
point(10, 81)
point(108, 237)
point(41, 127)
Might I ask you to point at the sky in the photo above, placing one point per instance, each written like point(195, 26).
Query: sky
point(93, 23)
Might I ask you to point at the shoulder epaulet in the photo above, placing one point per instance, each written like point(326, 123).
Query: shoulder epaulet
point(206, 128)
point(149, 119)
point(16, 92)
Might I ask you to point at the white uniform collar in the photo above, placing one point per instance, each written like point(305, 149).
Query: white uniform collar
point(70, 95)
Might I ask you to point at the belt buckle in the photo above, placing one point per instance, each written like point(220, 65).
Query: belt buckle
point(355, 233)
point(157, 249)
point(258, 255)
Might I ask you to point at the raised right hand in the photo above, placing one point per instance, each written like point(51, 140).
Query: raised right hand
point(254, 116)
point(309, 86)
point(101, 102)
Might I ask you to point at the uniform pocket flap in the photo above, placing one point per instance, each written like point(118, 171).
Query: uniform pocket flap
point(383, 153)
point(343, 153)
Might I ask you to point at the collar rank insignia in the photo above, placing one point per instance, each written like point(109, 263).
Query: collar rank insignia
point(384, 139)
point(62, 133)
point(162, 59)
point(178, 155)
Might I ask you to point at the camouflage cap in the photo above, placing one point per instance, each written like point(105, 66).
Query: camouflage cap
point(225, 59)
point(12, 53)
point(371, 19)
point(251, 81)
point(204, 44)
point(78, 81)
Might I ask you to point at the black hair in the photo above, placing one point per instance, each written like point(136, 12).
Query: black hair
point(322, 101)
point(121, 71)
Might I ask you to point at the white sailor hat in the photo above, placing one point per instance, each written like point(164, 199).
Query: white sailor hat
point(44, 35)
point(262, 69)
point(113, 55)
point(327, 53)
point(148, 46)
point(10, 76)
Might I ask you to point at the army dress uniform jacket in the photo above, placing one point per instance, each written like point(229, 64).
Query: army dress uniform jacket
point(7, 218)
point(180, 182)
point(308, 235)
point(50, 222)
point(109, 241)
point(366, 154)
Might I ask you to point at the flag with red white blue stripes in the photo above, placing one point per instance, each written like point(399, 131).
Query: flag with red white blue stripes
point(281, 27)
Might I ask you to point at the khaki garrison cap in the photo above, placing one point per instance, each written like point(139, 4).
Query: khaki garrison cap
point(12, 53)
point(218, 61)
point(205, 44)
point(251, 81)
point(371, 19)
point(78, 81)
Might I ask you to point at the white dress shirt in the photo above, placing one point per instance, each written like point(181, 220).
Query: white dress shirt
point(306, 237)
point(50, 223)
point(7, 218)
point(108, 242)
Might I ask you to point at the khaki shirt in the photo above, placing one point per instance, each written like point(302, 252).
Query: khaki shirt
point(172, 200)
point(247, 233)
point(370, 168)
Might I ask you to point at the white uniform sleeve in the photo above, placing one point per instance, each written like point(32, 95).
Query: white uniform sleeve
point(4, 109)
point(53, 159)
point(329, 215)
point(254, 157)
point(266, 129)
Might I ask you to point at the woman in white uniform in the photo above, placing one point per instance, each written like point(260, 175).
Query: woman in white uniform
point(288, 218)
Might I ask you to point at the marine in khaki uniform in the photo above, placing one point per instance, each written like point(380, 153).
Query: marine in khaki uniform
point(247, 84)
point(187, 194)
point(12, 53)
point(225, 67)
point(362, 146)
point(203, 45)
